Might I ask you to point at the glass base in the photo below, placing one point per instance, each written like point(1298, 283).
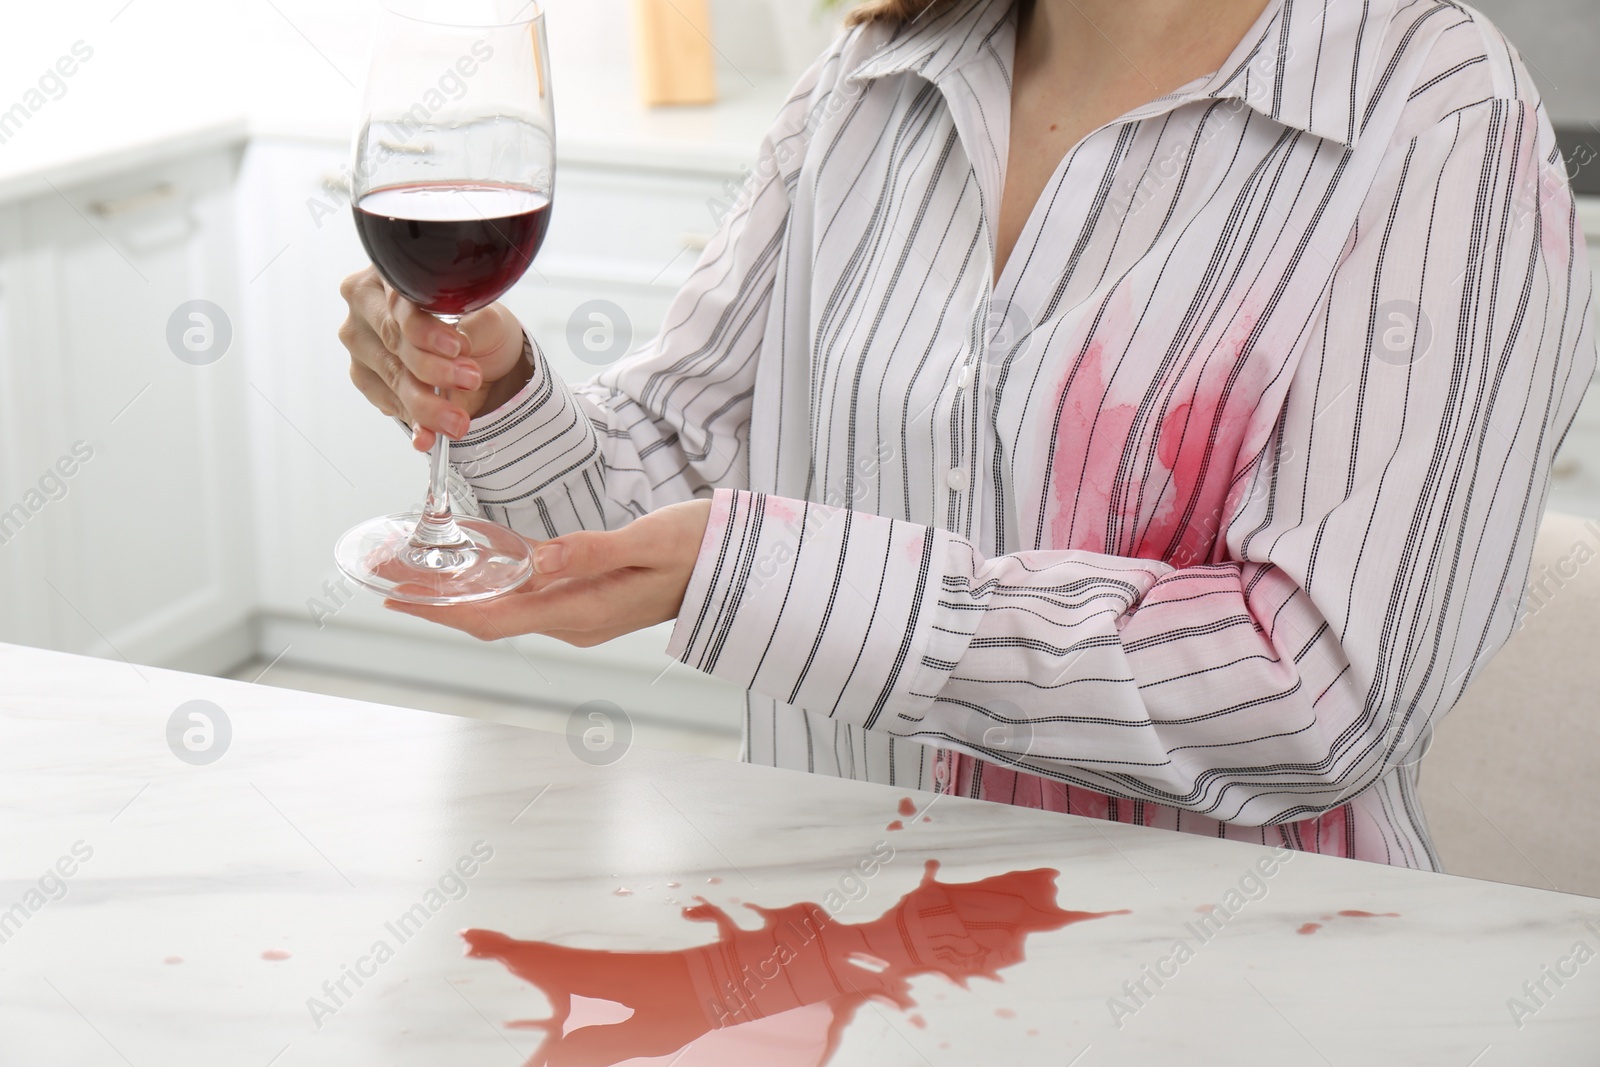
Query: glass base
point(380, 556)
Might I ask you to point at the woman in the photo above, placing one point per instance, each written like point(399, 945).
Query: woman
point(1137, 408)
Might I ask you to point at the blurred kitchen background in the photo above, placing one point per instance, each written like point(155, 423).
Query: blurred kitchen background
point(198, 151)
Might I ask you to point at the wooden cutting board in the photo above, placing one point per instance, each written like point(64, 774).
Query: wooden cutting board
point(673, 56)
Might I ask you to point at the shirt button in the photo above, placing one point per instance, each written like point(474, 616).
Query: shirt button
point(966, 377)
point(957, 480)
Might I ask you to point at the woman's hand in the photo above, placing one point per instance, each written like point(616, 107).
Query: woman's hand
point(399, 353)
point(590, 587)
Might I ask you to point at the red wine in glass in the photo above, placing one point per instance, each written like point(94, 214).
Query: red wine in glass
point(452, 248)
point(451, 201)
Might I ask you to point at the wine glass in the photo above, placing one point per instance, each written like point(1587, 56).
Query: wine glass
point(451, 188)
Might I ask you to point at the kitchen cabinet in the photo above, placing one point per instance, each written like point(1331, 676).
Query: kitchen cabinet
point(124, 520)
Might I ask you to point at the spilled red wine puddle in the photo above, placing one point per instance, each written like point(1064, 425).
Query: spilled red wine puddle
point(896, 825)
point(1348, 913)
point(907, 807)
point(781, 994)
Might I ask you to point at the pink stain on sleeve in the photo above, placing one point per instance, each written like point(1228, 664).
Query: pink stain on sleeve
point(721, 509)
point(783, 510)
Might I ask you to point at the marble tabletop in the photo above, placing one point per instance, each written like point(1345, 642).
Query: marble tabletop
point(198, 871)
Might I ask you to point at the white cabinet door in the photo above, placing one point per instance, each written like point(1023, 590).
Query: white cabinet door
point(134, 456)
point(22, 608)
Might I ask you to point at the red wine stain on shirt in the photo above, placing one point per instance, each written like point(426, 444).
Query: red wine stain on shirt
point(1111, 431)
point(1309, 928)
point(173, 959)
point(927, 818)
point(1090, 436)
point(713, 880)
point(896, 825)
point(918, 1021)
point(783, 992)
point(1005, 1013)
point(907, 807)
point(274, 954)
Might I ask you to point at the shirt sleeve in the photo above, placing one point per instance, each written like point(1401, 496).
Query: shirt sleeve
point(1374, 555)
point(671, 421)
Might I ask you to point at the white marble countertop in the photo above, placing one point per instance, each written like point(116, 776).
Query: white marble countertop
point(245, 911)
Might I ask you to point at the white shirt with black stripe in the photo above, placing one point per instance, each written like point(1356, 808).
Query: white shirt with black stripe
point(1200, 517)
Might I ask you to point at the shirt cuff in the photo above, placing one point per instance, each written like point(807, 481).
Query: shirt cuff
point(532, 442)
point(837, 611)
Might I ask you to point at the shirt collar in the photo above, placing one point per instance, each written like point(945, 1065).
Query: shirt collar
point(1307, 64)
point(945, 37)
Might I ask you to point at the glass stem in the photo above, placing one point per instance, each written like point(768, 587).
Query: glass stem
point(437, 527)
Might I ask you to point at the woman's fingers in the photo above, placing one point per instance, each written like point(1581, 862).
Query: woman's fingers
point(388, 363)
point(435, 353)
point(651, 541)
point(579, 611)
point(494, 341)
point(376, 390)
point(514, 613)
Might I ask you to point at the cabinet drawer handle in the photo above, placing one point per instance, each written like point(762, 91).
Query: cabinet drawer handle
point(125, 205)
point(405, 148)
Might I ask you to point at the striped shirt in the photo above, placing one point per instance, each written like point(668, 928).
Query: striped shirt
point(1201, 516)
